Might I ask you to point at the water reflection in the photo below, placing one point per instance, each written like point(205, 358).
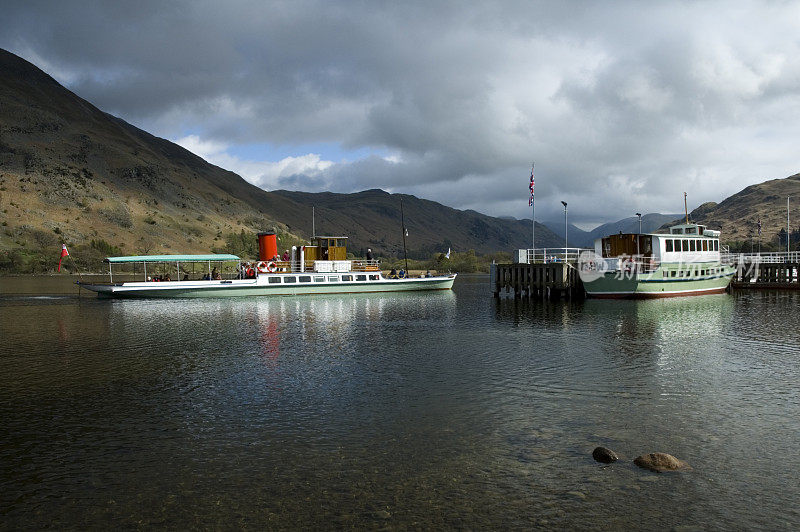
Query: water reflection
point(444, 410)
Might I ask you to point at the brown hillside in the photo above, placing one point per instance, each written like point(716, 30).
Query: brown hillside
point(66, 166)
point(70, 172)
point(737, 216)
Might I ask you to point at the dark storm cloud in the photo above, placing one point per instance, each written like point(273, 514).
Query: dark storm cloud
point(623, 105)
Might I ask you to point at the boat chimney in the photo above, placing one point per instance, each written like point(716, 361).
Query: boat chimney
point(267, 246)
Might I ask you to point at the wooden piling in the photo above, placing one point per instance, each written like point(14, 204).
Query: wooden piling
point(552, 280)
point(778, 275)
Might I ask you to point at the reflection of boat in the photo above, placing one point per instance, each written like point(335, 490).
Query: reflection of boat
point(319, 269)
point(682, 263)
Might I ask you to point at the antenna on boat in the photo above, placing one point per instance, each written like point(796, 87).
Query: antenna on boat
point(403, 223)
point(685, 207)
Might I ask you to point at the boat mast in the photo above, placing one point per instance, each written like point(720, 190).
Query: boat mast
point(403, 223)
point(313, 224)
point(685, 207)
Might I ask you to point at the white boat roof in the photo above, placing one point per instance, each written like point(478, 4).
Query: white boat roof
point(214, 257)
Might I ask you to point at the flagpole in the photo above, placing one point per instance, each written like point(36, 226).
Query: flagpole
point(533, 215)
point(403, 223)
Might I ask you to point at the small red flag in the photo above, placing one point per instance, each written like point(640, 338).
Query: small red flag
point(64, 253)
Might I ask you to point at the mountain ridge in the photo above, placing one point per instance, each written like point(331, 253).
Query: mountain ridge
point(69, 172)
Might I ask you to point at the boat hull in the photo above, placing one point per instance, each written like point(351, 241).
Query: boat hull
point(647, 286)
point(260, 287)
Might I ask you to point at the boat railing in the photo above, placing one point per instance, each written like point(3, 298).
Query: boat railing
point(760, 258)
point(296, 266)
point(366, 265)
point(545, 255)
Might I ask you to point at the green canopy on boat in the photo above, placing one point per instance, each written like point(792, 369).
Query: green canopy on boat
point(173, 258)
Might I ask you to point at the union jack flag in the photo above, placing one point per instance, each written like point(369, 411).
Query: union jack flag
point(530, 200)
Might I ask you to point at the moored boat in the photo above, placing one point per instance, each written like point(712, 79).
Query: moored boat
point(322, 268)
point(684, 262)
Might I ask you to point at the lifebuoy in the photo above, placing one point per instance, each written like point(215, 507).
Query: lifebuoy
point(262, 267)
point(251, 273)
point(272, 267)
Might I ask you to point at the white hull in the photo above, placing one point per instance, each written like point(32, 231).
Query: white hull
point(262, 286)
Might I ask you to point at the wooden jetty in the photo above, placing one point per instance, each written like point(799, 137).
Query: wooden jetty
point(766, 271)
point(544, 280)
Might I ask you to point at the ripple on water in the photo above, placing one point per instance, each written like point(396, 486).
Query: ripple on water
point(406, 411)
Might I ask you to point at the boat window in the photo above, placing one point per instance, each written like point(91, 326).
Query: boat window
point(347, 277)
point(673, 273)
point(691, 230)
point(361, 277)
point(333, 279)
point(274, 280)
point(716, 245)
point(319, 279)
point(685, 244)
point(669, 245)
point(305, 278)
point(680, 273)
point(705, 245)
point(666, 273)
point(691, 245)
point(290, 279)
point(373, 277)
point(677, 231)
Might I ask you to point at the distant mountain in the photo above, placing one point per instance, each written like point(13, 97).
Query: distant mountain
point(71, 173)
point(577, 237)
point(650, 223)
point(580, 238)
point(372, 218)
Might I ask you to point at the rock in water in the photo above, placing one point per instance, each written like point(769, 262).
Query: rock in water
point(604, 455)
point(660, 462)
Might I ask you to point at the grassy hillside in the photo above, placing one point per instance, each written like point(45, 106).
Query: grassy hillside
point(737, 216)
point(71, 173)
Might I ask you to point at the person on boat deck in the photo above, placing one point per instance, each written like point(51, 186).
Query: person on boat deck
point(185, 276)
point(402, 273)
point(428, 273)
point(215, 274)
point(393, 274)
point(167, 277)
point(369, 253)
point(286, 256)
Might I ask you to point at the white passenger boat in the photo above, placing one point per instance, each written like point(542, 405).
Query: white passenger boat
point(684, 262)
point(317, 269)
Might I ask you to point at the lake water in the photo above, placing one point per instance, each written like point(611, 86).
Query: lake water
point(437, 410)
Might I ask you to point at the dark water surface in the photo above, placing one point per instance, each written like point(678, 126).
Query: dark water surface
point(438, 410)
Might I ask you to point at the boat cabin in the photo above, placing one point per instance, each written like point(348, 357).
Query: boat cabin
point(684, 243)
point(327, 248)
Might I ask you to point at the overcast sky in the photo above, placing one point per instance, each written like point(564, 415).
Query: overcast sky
point(622, 105)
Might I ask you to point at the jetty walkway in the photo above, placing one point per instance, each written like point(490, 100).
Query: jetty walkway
point(765, 270)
